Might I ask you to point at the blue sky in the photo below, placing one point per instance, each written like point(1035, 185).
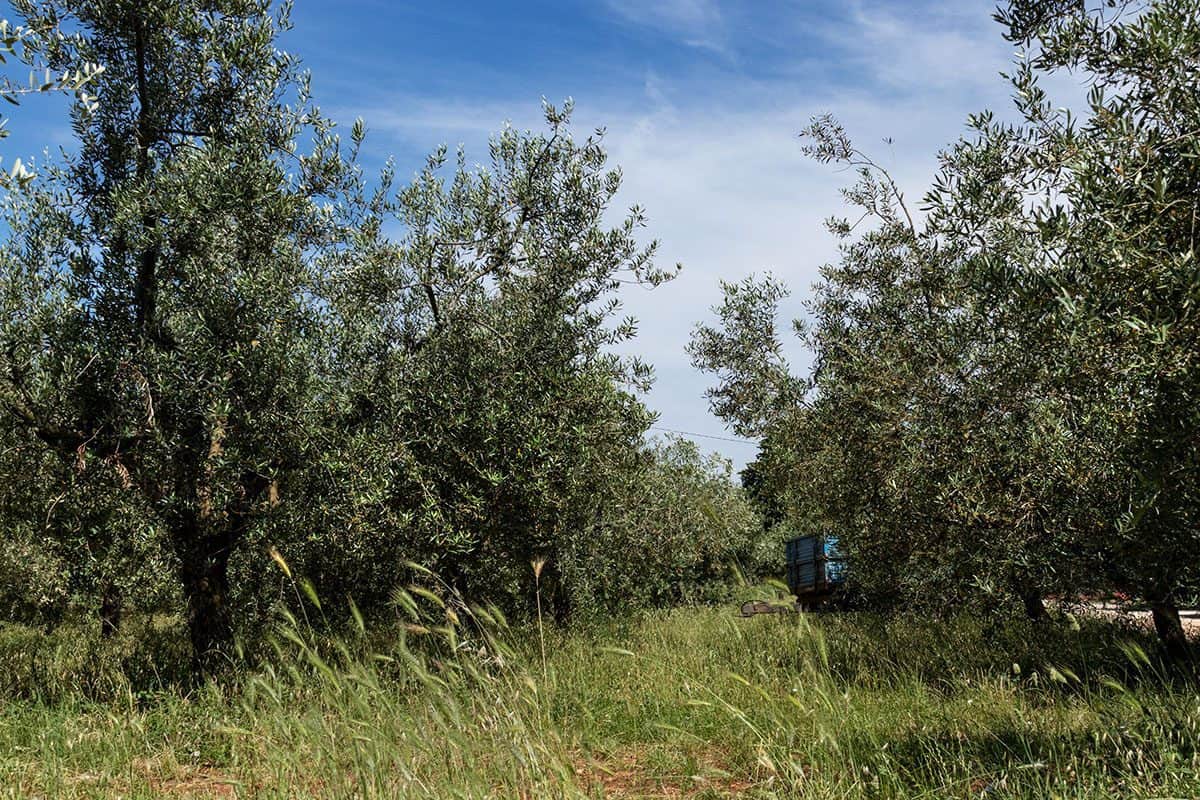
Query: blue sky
point(701, 99)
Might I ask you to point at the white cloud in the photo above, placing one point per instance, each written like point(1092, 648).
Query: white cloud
point(730, 194)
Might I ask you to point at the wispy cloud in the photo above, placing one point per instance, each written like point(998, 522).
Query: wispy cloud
point(696, 23)
point(934, 47)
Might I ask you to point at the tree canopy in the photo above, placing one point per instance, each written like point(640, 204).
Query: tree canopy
point(1003, 401)
point(221, 339)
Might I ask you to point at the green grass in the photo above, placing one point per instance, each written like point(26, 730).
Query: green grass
point(684, 703)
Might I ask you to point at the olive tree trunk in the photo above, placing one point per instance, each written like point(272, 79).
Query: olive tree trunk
point(110, 610)
point(1169, 628)
point(205, 582)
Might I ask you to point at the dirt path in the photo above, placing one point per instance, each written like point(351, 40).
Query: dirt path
point(1190, 617)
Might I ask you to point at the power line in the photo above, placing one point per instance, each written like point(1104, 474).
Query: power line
point(704, 435)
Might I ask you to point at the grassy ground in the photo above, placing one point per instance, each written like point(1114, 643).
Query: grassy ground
point(687, 703)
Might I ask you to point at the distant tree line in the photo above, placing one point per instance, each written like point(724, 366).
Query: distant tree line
point(220, 338)
point(1005, 399)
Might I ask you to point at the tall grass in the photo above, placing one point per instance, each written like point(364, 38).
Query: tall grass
point(451, 701)
point(448, 709)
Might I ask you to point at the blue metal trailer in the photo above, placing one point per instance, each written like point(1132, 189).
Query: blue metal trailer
point(816, 572)
point(815, 568)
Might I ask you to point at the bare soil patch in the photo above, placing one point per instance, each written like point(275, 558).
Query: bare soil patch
point(631, 773)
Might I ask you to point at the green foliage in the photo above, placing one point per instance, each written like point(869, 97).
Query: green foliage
point(220, 339)
point(26, 45)
point(483, 419)
point(679, 531)
point(1003, 402)
point(159, 296)
point(74, 661)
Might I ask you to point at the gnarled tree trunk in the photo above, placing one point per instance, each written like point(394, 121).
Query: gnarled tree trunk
point(1035, 608)
point(205, 578)
point(110, 610)
point(1169, 627)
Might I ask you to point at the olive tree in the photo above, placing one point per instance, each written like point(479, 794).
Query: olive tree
point(161, 320)
point(491, 416)
point(681, 530)
point(215, 324)
point(1117, 191)
point(1003, 394)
